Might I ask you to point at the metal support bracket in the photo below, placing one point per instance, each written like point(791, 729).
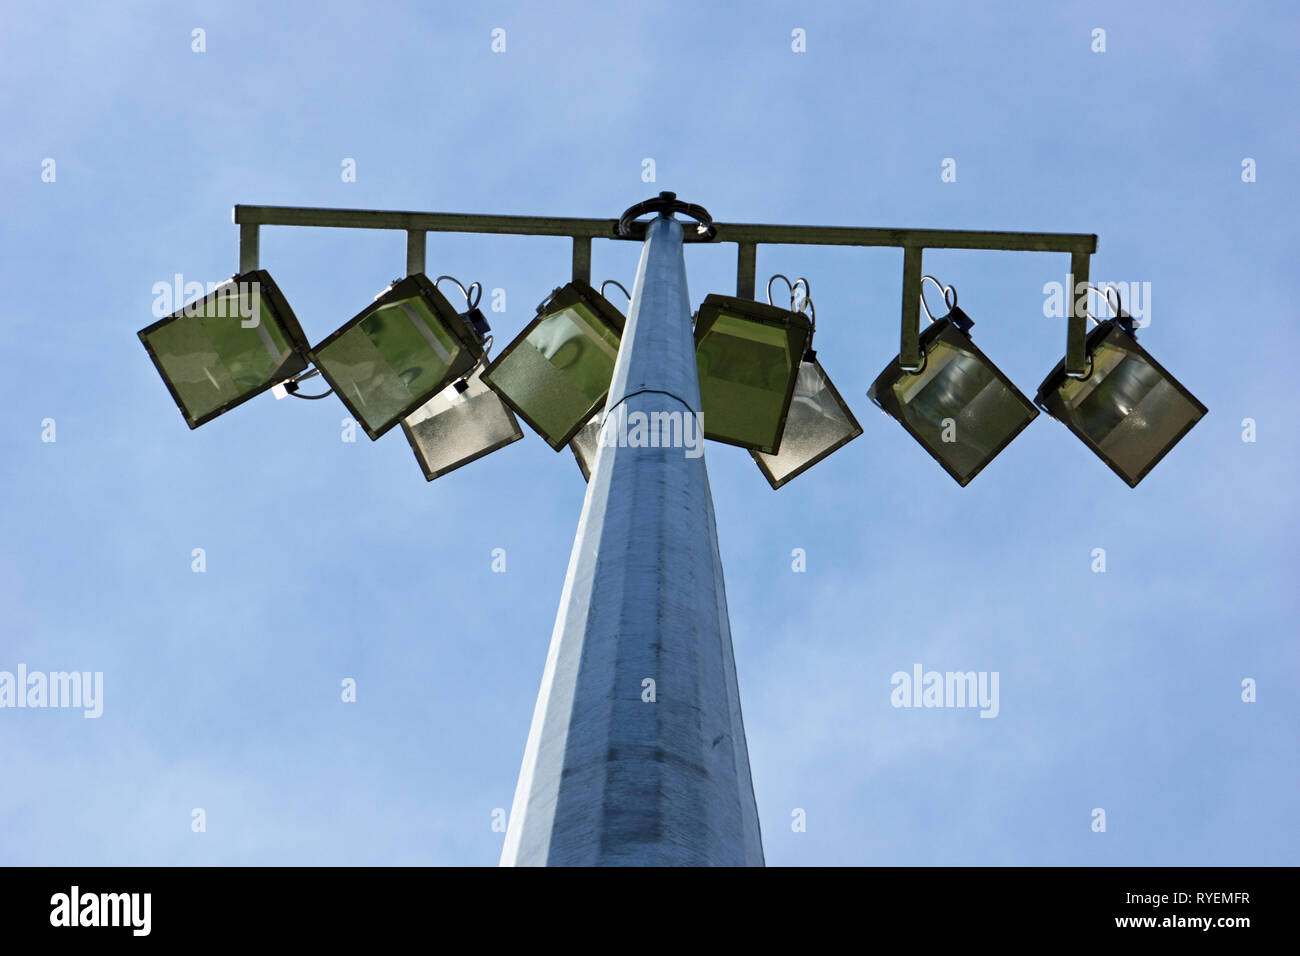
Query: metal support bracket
point(746, 259)
point(1076, 334)
point(582, 259)
point(247, 247)
point(415, 251)
point(909, 346)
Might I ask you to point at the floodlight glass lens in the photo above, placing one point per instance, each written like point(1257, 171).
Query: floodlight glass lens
point(457, 426)
point(220, 348)
point(1128, 408)
point(560, 369)
point(816, 425)
point(390, 358)
point(744, 368)
point(959, 407)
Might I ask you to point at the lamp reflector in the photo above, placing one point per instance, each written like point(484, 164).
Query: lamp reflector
point(462, 423)
point(1129, 410)
point(818, 424)
point(586, 443)
point(958, 405)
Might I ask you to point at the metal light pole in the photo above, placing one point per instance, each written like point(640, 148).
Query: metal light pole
point(610, 777)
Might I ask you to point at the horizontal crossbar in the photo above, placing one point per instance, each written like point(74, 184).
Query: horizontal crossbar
point(745, 233)
point(747, 236)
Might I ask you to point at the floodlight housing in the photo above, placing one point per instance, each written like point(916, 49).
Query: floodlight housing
point(818, 424)
point(233, 344)
point(397, 353)
point(958, 404)
point(586, 443)
point(461, 424)
point(1128, 410)
point(557, 372)
point(747, 354)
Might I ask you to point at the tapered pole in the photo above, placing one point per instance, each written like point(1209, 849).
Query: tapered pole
point(637, 753)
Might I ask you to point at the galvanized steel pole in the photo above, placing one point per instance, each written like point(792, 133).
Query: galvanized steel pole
point(618, 770)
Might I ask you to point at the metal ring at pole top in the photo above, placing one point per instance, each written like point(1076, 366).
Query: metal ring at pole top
point(666, 203)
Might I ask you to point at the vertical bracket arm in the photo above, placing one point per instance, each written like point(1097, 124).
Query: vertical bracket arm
point(247, 247)
point(909, 346)
point(415, 251)
point(1076, 334)
point(746, 259)
point(582, 259)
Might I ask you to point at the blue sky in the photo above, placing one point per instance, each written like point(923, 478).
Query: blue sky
point(327, 559)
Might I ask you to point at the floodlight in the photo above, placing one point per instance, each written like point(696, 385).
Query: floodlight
point(1128, 409)
point(466, 420)
point(557, 372)
point(219, 351)
point(957, 404)
point(462, 423)
point(747, 354)
point(818, 424)
point(397, 353)
point(819, 421)
point(586, 443)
